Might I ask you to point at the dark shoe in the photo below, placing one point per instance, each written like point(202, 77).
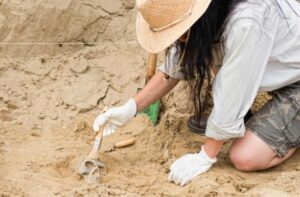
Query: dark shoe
point(248, 116)
point(199, 126)
point(196, 125)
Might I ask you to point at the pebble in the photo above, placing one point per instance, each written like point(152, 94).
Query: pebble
point(53, 115)
point(79, 67)
point(41, 116)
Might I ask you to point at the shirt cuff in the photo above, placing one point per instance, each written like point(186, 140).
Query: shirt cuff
point(226, 131)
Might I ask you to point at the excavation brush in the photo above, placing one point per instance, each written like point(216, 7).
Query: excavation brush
point(90, 167)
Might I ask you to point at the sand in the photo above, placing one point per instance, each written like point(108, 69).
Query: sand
point(50, 95)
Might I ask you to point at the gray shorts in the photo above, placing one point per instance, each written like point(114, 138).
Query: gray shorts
point(278, 122)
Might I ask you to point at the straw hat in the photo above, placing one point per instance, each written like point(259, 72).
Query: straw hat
point(161, 22)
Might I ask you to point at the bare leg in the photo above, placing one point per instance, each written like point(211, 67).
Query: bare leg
point(250, 153)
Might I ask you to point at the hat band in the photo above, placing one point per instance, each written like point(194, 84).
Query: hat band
point(178, 20)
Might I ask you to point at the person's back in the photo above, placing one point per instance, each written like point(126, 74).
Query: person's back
point(278, 21)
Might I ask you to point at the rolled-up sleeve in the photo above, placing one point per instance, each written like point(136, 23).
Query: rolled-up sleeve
point(247, 50)
point(171, 66)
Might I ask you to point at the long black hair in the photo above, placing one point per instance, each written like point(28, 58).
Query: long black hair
point(205, 37)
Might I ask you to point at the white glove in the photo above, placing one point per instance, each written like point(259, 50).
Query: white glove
point(115, 117)
point(187, 167)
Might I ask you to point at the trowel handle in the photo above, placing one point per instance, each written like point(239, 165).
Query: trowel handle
point(151, 67)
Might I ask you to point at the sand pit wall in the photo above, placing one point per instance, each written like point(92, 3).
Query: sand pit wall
point(30, 28)
point(58, 59)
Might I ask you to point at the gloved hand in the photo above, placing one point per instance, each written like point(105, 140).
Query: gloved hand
point(187, 167)
point(115, 117)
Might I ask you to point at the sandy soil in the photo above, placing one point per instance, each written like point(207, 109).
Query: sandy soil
point(36, 163)
point(50, 94)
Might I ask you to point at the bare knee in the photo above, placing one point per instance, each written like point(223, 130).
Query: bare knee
point(242, 160)
point(250, 153)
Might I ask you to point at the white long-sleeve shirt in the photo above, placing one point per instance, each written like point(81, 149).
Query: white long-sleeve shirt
point(262, 52)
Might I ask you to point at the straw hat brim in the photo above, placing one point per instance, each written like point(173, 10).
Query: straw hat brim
point(155, 42)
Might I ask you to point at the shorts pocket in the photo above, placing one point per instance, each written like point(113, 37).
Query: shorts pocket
point(292, 129)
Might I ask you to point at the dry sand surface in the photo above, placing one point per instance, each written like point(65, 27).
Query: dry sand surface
point(50, 94)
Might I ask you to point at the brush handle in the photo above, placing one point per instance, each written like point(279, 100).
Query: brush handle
point(98, 141)
point(94, 154)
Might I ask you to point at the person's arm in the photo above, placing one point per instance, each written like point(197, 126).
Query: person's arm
point(156, 88)
point(212, 147)
point(248, 48)
point(116, 117)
